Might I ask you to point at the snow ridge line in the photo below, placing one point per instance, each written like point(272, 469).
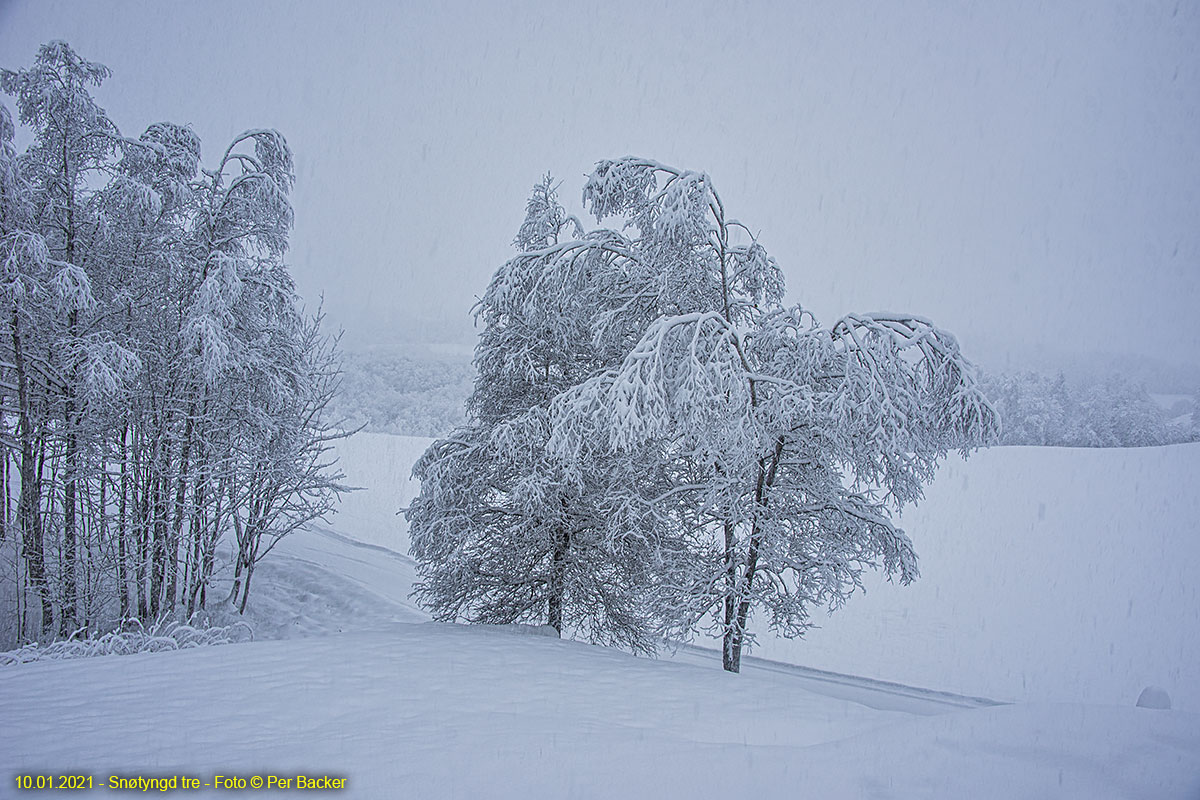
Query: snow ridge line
point(332, 534)
point(855, 681)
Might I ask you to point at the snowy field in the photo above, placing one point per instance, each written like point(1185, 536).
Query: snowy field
point(438, 711)
point(1047, 574)
point(1067, 592)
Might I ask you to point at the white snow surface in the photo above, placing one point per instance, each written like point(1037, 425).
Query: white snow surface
point(1047, 574)
point(431, 710)
point(359, 686)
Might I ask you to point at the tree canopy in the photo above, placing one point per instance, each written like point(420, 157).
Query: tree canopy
point(731, 452)
point(161, 385)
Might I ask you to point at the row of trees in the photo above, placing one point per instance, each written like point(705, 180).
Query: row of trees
point(394, 393)
point(159, 384)
point(1114, 412)
point(656, 445)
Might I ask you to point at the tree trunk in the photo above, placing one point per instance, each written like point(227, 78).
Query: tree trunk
point(4, 479)
point(195, 535)
point(29, 502)
point(142, 538)
point(240, 558)
point(180, 496)
point(159, 548)
point(213, 535)
point(67, 620)
point(122, 529)
point(246, 587)
point(735, 633)
point(731, 651)
point(562, 542)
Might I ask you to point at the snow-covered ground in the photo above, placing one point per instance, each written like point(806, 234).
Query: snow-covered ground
point(1035, 562)
point(438, 711)
point(1047, 574)
point(381, 466)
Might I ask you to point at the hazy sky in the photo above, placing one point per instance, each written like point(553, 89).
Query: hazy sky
point(1027, 174)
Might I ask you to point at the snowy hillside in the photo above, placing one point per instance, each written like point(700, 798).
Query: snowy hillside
point(1047, 574)
point(363, 688)
point(437, 711)
point(381, 466)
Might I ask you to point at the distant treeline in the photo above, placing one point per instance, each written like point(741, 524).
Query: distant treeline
point(393, 393)
point(1037, 409)
point(415, 396)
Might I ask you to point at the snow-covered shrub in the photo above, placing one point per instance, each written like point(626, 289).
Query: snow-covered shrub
point(132, 638)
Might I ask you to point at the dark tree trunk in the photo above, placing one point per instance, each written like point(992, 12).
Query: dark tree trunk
point(730, 651)
point(195, 535)
point(180, 496)
point(29, 502)
point(4, 479)
point(143, 543)
point(158, 562)
point(122, 528)
point(70, 547)
point(67, 620)
point(562, 543)
point(246, 587)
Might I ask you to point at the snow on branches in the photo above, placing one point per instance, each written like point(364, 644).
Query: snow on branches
point(792, 440)
point(160, 382)
point(745, 455)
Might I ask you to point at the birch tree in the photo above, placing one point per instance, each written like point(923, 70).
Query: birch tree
point(502, 532)
point(73, 139)
point(25, 267)
point(162, 388)
point(788, 445)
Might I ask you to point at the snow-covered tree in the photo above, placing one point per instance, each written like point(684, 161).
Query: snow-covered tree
point(1112, 412)
point(395, 391)
point(1118, 413)
point(645, 402)
point(502, 531)
point(25, 265)
point(787, 444)
point(161, 386)
point(73, 139)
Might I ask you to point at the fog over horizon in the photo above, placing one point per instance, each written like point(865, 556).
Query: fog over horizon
point(1026, 175)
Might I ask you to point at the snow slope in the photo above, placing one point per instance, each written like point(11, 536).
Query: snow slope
point(1047, 574)
point(359, 687)
point(381, 466)
point(440, 711)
